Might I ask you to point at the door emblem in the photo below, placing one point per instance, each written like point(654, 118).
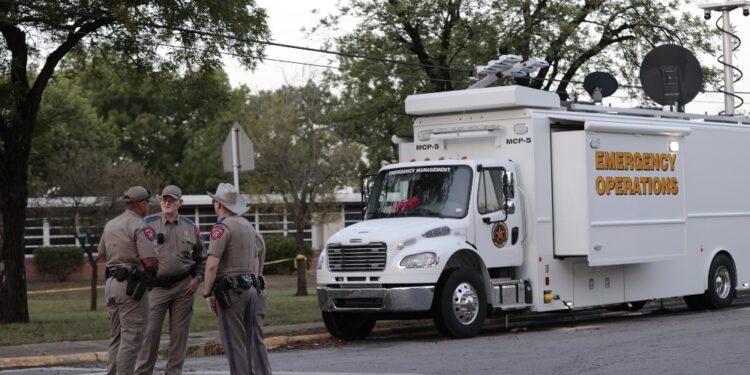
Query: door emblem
point(499, 235)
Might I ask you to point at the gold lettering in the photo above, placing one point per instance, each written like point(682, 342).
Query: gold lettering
point(610, 185)
point(599, 160)
point(672, 161)
point(638, 161)
point(600, 185)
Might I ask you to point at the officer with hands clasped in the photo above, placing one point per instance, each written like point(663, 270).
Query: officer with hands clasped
point(127, 244)
point(230, 287)
point(181, 263)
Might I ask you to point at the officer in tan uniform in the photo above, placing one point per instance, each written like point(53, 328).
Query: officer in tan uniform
point(259, 350)
point(230, 287)
point(127, 244)
point(181, 263)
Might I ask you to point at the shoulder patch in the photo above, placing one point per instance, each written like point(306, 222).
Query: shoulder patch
point(148, 232)
point(186, 220)
point(216, 232)
point(152, 218)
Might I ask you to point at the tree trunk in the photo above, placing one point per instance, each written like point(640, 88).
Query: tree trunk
point(301, 269)
point(14, 307)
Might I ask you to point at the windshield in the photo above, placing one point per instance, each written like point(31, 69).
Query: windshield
point(421, 191)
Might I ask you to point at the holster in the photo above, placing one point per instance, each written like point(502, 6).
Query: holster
point(221, 291)
point(138, 282)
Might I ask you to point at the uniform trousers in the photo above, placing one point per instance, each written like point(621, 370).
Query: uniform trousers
point(236, 326)
point(259, 352)
point(127, 322)
point(180, 307)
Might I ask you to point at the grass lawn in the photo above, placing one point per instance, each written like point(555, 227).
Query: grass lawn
point(64, 315)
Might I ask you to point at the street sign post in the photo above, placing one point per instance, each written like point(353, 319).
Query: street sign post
point(237, 153)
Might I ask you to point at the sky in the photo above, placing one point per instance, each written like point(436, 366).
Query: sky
point(287, 18)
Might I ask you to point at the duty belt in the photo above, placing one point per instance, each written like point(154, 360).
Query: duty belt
point(167, 281)
point(119, 273)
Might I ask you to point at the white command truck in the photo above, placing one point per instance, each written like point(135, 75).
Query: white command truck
point(517, 202)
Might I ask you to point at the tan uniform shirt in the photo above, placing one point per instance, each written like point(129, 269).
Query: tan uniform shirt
point(260, 245)
point(233, 242)
point(126, 240)
point(182, 247)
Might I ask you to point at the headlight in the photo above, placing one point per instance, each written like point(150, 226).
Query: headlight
point(321, 259)
point(420, 260)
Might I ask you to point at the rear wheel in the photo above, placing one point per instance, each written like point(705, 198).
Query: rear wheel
point(461, 304)
point(721, 286)
point(348, 326)
point(720, 292)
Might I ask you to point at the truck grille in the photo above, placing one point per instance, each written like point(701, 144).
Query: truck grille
point(369, 257)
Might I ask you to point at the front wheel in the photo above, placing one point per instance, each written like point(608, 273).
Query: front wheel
point(348, 326)
point(461, 304)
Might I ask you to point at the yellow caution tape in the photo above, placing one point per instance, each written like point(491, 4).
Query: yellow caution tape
point(298, 257)
point(63, 290)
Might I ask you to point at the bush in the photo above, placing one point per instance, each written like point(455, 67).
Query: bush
point(58, 261)
point(283, 247)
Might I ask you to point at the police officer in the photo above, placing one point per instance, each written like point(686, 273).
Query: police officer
point(181, 263)
point(259, 351)
point(230, 288)
point(128, 247)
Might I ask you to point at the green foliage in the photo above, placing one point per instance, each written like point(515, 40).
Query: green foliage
point(445, 39)
point(282, 247)
point(58, 261)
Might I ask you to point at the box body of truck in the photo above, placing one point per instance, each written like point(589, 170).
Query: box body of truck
point(586, 207)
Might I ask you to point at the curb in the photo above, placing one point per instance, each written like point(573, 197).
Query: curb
point(211, 346)
point(67, 359)
point(52, 360)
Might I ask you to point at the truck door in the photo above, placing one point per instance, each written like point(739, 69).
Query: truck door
point(498, 216)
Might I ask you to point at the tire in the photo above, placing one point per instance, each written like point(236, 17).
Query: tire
point(461, 305)
point(348, 326)
point(721, 281)
point(721, 286)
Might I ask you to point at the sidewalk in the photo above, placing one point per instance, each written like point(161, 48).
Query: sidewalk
point(69, 352)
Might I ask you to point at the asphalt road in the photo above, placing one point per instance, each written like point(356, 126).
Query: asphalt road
point(653, 342)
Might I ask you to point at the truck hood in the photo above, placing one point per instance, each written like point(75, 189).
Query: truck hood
point(393, 230)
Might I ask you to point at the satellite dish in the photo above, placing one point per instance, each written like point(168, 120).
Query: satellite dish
point(600, 85)
point(671, 75)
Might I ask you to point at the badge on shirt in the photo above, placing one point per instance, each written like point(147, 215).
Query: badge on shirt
point(149, 233)
point(217, 232)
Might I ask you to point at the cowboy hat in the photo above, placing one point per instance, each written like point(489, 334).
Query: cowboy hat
point(228, 196)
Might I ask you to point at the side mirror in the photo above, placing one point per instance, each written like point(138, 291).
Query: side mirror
point(509, 206)
point(508, 186)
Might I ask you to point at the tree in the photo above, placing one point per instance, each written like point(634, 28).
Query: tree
point(299, 155)
point(46, 32)
point(441, 41)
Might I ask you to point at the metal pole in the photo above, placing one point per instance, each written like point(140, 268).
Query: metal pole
point(728, 72)
point(236, 158)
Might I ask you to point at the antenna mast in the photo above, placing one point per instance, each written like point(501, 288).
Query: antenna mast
point(727, 35)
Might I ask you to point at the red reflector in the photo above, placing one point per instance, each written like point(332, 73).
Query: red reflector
point(546, 280)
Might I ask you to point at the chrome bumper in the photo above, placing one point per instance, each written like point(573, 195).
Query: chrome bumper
point(417, 298)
